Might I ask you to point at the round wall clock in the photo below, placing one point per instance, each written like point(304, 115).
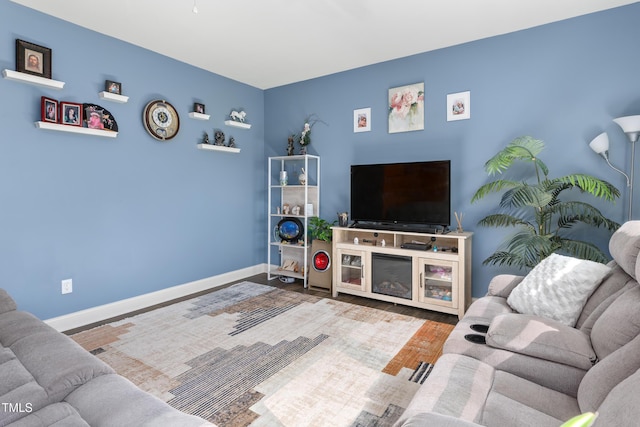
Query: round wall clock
point(161, 120)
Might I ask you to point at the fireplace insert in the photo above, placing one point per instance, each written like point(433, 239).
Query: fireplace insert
point(391, 275)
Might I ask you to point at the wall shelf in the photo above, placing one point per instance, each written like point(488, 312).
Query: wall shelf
point(76, 129)
point(114, 97)
point(218, 148)
point(30, 79)
point(199, 116)
point(239, 125)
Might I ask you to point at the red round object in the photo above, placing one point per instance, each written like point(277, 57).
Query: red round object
point(321, 261)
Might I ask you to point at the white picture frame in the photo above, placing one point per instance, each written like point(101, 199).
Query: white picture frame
point(459, 106)
point(362, 120)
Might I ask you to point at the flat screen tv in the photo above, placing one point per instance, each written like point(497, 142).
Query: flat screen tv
point(402, 195)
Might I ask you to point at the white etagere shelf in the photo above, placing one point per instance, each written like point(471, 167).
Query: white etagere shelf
point(199, 116)
point(76, 129)
point(218, 148)
point(238, 125)
point(114, 97)
point(33, 80)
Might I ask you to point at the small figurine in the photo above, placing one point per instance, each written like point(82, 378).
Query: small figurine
point(285, 209)
point(218, 137)
point(205, 139)
point(232, 142)
point(290, 146)
point(238, 116)
point(295, 210)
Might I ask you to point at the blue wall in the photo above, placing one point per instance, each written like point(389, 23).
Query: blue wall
point(131, 215)
point(562, 83)
point(124, 216)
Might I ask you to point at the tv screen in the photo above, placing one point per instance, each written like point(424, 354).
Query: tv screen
point(416, 193)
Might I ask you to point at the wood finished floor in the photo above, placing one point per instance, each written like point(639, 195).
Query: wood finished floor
point(297, 286)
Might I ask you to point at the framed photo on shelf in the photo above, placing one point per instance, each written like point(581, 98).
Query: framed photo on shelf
point(362, 120)
point(33, 59)
point(71, 113)
point(459, 106)
point(113, 87)
point(49, 109)
point(198, 108)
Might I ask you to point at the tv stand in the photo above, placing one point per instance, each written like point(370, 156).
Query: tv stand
point(425, 270)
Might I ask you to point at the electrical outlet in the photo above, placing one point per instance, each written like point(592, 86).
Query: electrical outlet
point(67, 286)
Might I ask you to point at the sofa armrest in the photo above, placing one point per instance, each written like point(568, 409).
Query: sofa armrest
point(6, 302)
point(433, 419)
point(542, 338)
point(502, 285)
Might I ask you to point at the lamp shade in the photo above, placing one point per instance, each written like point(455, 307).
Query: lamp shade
point(630, 125)
point(600, 143)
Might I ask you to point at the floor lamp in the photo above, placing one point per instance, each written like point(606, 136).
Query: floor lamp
point(631, 127)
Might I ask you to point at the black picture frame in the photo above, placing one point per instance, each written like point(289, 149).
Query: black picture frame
point(198, 108)
point(33, 59)
point(70, 113)
point(113, 87)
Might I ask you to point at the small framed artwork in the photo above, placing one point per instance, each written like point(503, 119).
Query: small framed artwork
point(113, 87)
point(33, 59)
point(458, 106)
point(198, 108)
point(362, 120)
point(49, 109)
point(71, 113)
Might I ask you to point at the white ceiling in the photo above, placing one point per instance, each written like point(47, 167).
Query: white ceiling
point(269, 43)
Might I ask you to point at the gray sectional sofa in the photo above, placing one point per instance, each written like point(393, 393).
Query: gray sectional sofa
point(533, 370)
point(46, 379)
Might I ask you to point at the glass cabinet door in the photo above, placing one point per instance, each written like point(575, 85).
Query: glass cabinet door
point(438, 282)
point(351, 273)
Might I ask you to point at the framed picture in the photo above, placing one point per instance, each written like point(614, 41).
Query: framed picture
point(113, 87)
point(406, 108)
point(458, 106)
point(198, 108)
point(71, 113)
point(49, 109)
point(362, 120)
point(33, 59)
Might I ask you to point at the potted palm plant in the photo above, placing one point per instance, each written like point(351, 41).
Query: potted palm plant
point(320, 233)
point(535, 209)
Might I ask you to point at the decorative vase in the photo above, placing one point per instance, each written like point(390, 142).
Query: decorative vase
point(284, 178)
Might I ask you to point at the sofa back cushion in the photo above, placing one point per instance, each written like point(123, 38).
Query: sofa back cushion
point(6, 302)
point(600, 380)
point(618, 324)
point(600, 299)
point(620, 407)
point(624, 246)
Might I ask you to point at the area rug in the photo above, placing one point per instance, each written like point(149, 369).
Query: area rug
point(252, 354)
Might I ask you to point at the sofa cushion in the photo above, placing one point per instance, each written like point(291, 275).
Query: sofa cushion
point(6, 302)
point(557, 288)
point(607, 374)
point(54, 415)
point(514, 401)
point(624, 246)
point(112, 400)
point(541, 338)
point(56, 363)
point(619, 324)
point(620, 407)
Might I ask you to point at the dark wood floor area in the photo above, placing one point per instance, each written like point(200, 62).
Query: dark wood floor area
point(297, 286)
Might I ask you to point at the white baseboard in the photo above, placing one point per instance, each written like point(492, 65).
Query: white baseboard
point(118, 308)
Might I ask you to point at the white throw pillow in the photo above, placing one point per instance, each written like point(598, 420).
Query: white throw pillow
point(557, 288)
